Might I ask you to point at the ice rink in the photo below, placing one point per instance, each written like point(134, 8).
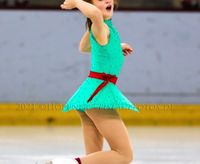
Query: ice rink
point(152, 145)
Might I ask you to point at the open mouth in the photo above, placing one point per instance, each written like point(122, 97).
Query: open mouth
point(109, 8)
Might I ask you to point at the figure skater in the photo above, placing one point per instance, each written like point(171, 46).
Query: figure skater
point(98, 98)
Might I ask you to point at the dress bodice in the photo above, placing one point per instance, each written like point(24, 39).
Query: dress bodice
point(107, 58)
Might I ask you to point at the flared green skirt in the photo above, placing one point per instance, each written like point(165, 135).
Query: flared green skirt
point(109, 97)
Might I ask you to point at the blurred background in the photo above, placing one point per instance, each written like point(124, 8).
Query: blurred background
point(41, 67)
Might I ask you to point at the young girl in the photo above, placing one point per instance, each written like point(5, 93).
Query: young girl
point(97, 99)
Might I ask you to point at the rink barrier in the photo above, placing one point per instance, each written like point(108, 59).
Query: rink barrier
point(51, 114)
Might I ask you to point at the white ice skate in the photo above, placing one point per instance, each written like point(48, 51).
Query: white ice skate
point(62, 161)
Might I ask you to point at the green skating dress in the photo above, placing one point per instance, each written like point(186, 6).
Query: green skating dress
point(107, 58)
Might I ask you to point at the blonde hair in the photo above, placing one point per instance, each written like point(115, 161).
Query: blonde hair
point(89, 22)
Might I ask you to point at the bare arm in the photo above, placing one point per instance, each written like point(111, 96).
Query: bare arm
point(92, 12)
point(88, 9)
point(84, 45)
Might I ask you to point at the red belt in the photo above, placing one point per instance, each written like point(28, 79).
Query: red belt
point(103, 76)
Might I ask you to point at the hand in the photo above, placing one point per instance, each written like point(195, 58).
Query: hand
point(127, 49)
point(68, 4)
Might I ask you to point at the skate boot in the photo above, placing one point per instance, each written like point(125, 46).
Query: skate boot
point(62, 161)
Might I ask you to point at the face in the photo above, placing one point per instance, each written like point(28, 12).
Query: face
point(106, 7)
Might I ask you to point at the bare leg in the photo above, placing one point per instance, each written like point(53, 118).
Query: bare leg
point(110, 125)
point(92, 138)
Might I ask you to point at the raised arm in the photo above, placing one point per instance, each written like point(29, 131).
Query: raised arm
point(90, 11)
